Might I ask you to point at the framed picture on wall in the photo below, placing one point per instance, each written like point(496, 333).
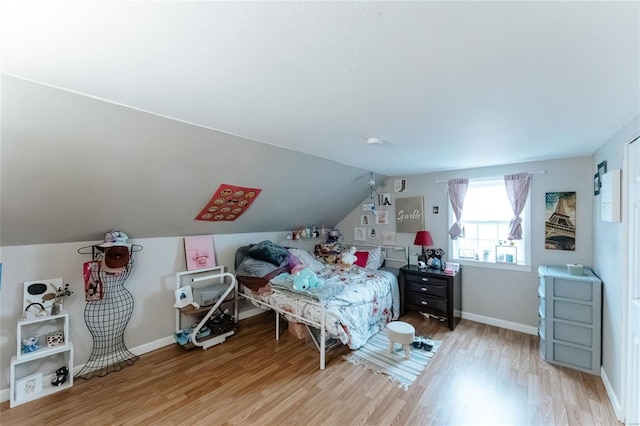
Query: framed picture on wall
point(400, 185)
point(409, 214)
point(560, 221)
point(596, 184)
point(602, 168)
point(382, 217)
point(360, 234)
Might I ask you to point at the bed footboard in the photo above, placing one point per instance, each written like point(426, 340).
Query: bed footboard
point(319, 325)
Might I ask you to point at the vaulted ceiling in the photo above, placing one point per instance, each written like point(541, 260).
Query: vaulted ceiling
point(119, 114)
point(445, 85)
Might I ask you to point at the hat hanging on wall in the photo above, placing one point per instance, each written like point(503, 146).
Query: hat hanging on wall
point(115, 242)
point(115, 239)
point(115, 259)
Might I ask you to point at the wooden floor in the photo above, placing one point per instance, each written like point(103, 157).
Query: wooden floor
point(480, 375)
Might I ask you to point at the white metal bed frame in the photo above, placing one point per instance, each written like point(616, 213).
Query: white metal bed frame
point(323, 312)
point(319, 325)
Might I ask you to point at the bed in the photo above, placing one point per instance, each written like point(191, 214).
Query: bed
point(351, 305)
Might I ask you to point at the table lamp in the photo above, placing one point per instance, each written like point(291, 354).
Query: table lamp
point(423, 238)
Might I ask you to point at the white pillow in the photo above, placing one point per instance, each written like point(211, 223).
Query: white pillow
point(375, 259)
point(308, 260)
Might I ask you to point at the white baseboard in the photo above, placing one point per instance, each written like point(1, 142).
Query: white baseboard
point(615, 404)
point(138, 350)
point(527, 329)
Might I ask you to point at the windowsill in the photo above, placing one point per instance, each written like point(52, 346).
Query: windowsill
point(492, 265)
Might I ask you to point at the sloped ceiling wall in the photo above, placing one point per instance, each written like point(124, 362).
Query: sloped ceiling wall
point(73, 168)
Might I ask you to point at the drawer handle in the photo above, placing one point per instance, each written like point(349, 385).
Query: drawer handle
point(423, 302)
point(423, 288)
point(425, 279)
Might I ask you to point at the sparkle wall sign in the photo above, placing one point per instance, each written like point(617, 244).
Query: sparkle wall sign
point(228, 203)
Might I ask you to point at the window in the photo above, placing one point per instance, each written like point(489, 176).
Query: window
point(485, 227)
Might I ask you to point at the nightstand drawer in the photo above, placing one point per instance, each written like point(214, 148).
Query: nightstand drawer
point(421, 279)
point(428, 305)
point(419, 289)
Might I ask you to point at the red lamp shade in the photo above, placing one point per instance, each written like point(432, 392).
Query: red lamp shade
point(423, 238)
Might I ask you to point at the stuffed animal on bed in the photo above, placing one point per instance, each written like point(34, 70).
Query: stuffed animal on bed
point(306, 279)
point(349, 257)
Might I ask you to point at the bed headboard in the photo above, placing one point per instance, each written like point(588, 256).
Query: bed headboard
point(394, 256)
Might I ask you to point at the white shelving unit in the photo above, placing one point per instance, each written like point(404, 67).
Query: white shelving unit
point(198, 279)
point(40, 365)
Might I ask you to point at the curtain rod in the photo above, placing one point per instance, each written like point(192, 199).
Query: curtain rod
point(541, 172)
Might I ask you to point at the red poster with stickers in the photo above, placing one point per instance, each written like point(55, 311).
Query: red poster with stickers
point(228, 203)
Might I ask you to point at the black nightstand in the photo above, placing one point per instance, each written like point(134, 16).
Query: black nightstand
point(431, 291)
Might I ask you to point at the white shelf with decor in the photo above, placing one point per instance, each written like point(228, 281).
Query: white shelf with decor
point(43, 347)
point(201, 294)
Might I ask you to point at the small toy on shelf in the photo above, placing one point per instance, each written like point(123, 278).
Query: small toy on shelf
point(30, 344)
point(55, 338)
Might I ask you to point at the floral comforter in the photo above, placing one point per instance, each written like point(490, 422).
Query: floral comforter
point(370, 299)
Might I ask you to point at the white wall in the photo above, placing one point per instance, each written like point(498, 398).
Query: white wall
point(609, 253)
point(502, 297)
point(152, 282)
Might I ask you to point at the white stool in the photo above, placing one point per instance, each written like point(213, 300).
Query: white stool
point(403, 333)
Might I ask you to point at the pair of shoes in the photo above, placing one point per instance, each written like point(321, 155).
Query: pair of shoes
point(423, 342)
point(60, 376)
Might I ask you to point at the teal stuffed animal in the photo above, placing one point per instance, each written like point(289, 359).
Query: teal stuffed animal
point(306, 279)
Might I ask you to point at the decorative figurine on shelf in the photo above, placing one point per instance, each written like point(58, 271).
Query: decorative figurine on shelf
point(333, 236)
point(30, 344)
point(58, 305)
point(434, 258)
point(60, 376)
point(55, 338)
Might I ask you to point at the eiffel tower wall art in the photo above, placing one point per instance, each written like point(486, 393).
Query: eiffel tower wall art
point(560, 225)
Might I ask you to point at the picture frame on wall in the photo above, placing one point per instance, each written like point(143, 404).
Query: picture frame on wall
point(602, 169)
point(199, 252)
point(360, 234)
point(560, 221)
point(400, 185)
point(409, 214)
point(384, 199)
point(382, 218)
point(596, 184)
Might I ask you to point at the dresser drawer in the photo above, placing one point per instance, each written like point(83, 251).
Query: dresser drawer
point(420, 279)
point(428, 304)
point(570, 311)
point(571, 333)
point(573, 356)
point(421, 289)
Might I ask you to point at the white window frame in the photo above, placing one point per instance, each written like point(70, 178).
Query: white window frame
point(526, 236)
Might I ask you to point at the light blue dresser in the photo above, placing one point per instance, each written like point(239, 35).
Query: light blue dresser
point(570, 318)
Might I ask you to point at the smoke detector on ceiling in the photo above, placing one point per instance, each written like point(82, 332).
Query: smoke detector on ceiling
point(374, 141)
